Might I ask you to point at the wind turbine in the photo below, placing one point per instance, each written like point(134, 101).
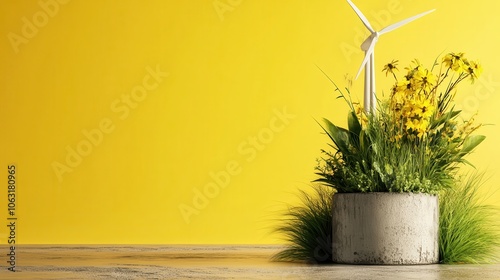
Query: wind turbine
point(368, 47)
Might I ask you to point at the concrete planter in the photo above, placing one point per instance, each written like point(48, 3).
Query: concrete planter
point(385, 228)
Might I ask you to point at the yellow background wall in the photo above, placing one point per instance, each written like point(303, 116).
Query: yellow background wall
point(118, 114)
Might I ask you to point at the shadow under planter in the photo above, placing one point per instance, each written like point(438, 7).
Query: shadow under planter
point(385, 228)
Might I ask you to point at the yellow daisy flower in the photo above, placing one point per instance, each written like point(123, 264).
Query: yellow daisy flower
point(360, 114)
point(408, 110)
point(425, 109)
point(475, 70)
point(421, 128)
point(425, 79)
point(390, 67)
point(410, 125)
point(404, 86)
point(454, 61)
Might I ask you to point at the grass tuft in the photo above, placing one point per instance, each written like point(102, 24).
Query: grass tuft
point(308, 228)
point(469, 229)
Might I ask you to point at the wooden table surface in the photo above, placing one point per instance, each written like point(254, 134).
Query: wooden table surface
point(203, 262)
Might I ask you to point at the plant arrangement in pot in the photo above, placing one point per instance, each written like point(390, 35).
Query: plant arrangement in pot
point(400, 156)
point(389, 164)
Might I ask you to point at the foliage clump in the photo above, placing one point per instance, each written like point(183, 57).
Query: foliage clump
point(308, 228)
point(469, 229)
point(415, 140)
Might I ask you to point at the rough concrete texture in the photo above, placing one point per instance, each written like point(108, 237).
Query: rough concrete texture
point(385, 228)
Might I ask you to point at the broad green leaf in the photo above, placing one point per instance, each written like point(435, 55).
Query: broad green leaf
point(354, 129)
point(471, 142)
point(353, 122)
point(339, 136)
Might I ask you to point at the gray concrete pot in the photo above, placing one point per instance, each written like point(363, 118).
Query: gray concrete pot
point(385, 228)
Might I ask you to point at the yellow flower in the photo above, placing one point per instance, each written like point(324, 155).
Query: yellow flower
point(455, 62)
point(360, 114)
point(417, 127)
point(408, 110)
point(410, 125)
point(424, 109)
point(390, 67)
point(474, 69)
point(416, 64)
point(424, 79)
point(421, 133)
point(421, 127)
point(398, 97)
point(405, 87)
point(394, 90)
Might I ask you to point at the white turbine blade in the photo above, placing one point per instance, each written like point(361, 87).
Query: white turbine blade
point(361, 16)
point(403, 22)
point(367, 55)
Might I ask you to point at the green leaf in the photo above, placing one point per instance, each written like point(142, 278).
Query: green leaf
point(448, 116)
point(353, 122)
point(339, 136)
point(471, 142)
point(467, 163)
point(363, 141)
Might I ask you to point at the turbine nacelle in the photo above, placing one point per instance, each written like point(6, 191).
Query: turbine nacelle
point(366, 43)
